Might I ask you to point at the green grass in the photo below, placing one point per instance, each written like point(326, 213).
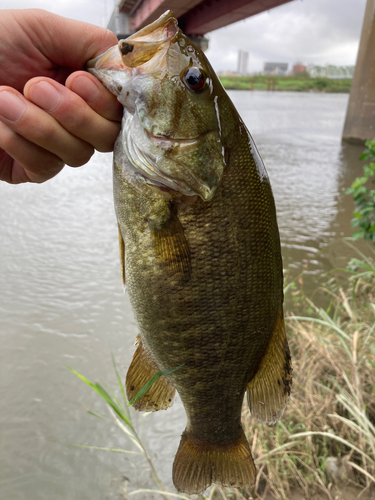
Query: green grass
point(286, 83)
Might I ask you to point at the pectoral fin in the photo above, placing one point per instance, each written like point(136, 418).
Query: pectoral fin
point(142, 368)
point(268, 392)
point(170, 243)
point(122, 256)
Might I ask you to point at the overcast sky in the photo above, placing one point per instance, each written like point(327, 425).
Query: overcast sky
point(309, 31)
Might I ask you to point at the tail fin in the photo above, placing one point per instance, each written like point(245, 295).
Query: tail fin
point(198, 464)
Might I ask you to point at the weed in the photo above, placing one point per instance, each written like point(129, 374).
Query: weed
point(364, 197)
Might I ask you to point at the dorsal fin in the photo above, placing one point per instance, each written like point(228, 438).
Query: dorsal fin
point(122, 256)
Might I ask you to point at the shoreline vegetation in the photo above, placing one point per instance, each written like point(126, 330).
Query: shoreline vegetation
point(286, 83)
point(324, 445)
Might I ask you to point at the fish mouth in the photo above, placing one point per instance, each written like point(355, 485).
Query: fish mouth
point(162, 29)
point(148, 46)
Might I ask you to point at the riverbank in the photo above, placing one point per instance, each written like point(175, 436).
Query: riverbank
point(286, 83)
point(324, 445)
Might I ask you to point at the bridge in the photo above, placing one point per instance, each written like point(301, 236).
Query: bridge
point(195, 17)
point(198, 17)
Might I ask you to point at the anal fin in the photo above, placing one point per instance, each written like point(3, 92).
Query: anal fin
point(268, 392)
point(198, 464)
point(142, 368)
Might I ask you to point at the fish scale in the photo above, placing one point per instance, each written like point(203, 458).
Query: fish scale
point(201, 253)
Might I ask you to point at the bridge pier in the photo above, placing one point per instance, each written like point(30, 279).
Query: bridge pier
point(119, 23)
point(360, 117)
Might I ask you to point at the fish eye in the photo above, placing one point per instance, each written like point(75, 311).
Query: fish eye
point(194, 79)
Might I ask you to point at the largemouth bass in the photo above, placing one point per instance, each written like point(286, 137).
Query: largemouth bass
point(200, 252)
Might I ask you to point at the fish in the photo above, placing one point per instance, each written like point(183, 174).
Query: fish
point(200, 253)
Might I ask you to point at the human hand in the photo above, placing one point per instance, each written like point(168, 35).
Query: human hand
point(52, 124)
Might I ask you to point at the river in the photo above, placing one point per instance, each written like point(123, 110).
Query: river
point(62, 301)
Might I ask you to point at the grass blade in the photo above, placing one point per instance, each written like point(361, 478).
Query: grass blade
point(120, 384)
point(275, 450)
point(90, 412)
point(363, 256)
point(175, 495)
point(355, 466)
point(150, 382)
point(337, 438)
point(116, 450)
point(104, 394)
point(329, 324)
point(348, 422)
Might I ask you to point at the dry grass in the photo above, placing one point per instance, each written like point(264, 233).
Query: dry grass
point(327, 435)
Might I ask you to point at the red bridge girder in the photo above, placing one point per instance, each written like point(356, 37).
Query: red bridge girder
point(196, 17)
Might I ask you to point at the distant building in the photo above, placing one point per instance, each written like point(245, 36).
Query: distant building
point(242, 63)
point(298, 68)
point(275, 68)
point(330, 71)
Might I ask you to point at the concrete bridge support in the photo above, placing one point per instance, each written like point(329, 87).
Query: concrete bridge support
point(360, 117)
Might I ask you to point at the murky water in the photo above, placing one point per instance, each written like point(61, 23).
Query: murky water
point(61, 299)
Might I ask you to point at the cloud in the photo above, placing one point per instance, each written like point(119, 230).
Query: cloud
point(91, 11)
point(313, 31)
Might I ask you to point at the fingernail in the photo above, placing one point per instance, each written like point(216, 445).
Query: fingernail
point(45, 95)
point(85, 88)
point(11, 106)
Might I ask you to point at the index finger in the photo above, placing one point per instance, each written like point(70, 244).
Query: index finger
point(95, 94)
point(66, 42)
